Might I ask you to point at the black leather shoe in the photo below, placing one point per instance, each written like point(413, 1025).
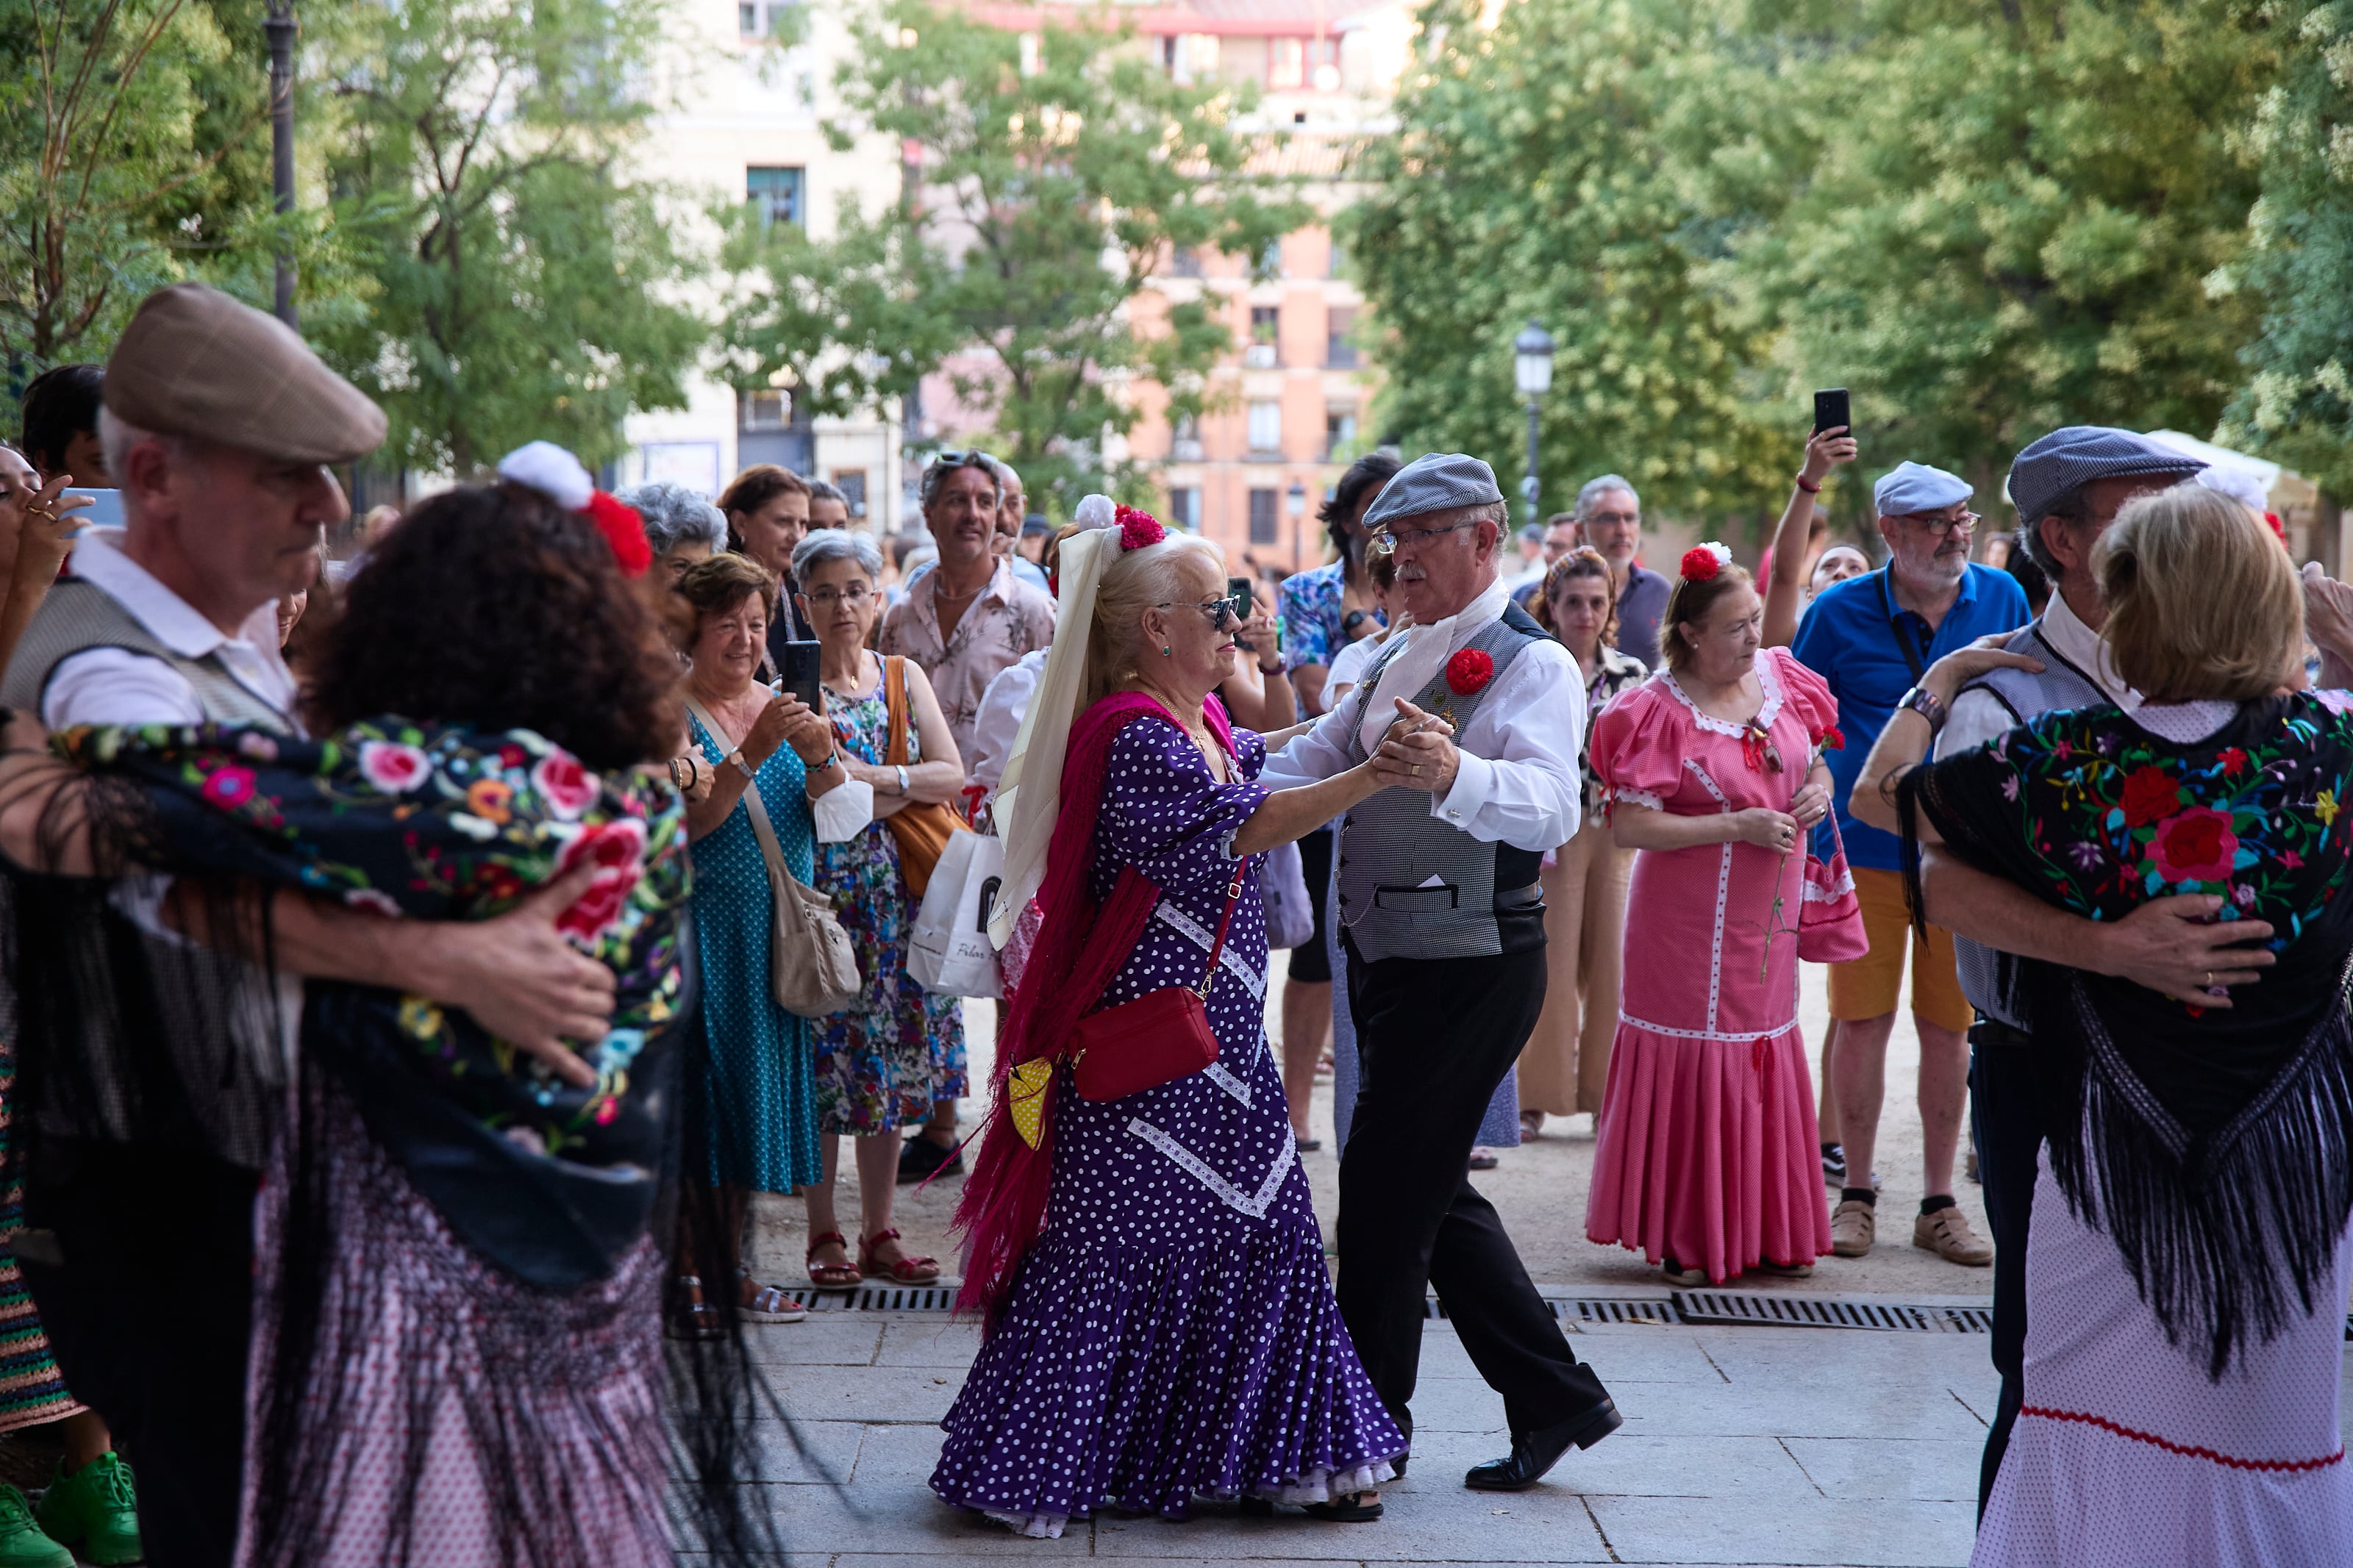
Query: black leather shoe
point(1534, 1454)
point(921, 1159)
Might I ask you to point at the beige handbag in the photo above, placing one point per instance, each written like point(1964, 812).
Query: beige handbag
point(812, 968)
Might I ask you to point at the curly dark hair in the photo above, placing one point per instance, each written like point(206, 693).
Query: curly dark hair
point(1369, 472)
point(492, 606)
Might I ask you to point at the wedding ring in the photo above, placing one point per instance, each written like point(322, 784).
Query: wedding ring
point(42, 512)
point(2209, 980)
point(1417, 770)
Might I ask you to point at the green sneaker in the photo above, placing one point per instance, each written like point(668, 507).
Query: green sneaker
point(22, 1544)
point(94, 1512)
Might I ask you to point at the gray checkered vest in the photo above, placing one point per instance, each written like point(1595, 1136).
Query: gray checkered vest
point(1990, 978)
point(79, 615)
point(1411, 886)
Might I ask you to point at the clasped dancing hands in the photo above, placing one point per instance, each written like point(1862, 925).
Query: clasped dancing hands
point(1418, 752)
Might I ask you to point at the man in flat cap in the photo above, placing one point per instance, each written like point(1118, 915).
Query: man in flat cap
point(218, 426)
point(1872, 638)
point(1441, 916)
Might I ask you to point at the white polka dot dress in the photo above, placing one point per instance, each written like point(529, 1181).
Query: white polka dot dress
point(1174, 1332)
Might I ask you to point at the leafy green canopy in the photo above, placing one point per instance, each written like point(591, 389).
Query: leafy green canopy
point(2298, 404)
point(1056, 173)
point(1986, 220)
point(518, 286)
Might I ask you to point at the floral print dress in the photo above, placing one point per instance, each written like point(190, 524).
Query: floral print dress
point(882, 1061)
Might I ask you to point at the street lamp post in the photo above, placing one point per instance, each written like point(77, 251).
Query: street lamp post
point(1296, 504)
point(280, 27)
point(1532, 370)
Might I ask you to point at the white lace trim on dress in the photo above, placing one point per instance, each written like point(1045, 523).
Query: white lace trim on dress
point(1254, 1205)
point(1766, 713)
point(1177, 920)
point(1636, 797)
point(1322, 1485)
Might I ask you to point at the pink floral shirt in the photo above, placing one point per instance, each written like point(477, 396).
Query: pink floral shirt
point(1008, 619)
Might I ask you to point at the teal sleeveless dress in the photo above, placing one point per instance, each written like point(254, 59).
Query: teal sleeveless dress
point(762, 1086)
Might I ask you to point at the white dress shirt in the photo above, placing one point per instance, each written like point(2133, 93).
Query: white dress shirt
point(115, 686)
point(997, 722)
point(1518, 782)
point(1978, 716)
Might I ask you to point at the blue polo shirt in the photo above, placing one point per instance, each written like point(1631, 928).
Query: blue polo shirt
point(1851, 639)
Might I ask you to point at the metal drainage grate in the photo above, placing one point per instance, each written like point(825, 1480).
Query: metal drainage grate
point(883, 1299)
point(1789, 1310)
point(1588, 1310)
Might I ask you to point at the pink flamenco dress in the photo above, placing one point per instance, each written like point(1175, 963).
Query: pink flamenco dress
point(1706, 1149)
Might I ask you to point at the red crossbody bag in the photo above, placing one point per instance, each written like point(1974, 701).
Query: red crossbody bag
point(1157, 1038)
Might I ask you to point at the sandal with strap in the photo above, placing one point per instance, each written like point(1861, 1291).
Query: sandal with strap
point(698, 1319)
point(769, 1304)
point(906, 1271)
point(831, 1275)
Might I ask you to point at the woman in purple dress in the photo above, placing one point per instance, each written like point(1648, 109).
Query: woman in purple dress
point(1160, 1323)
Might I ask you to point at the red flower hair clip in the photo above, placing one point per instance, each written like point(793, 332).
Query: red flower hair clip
point(1469, 671)
point(1701, 562)
point(556, 474)
point(1138, 528)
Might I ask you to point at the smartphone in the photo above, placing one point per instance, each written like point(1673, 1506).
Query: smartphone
point(1238, 590)
point(1831, 410)
point(104, 511)
point(798, 677)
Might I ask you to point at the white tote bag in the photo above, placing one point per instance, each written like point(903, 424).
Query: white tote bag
point(950, 954)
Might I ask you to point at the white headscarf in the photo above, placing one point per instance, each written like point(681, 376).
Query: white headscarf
point(1029, 796)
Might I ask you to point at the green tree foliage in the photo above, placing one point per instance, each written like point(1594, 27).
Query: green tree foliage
point(2012, 217)
point(2298, 403)
point(1985, 219)
point(519, 286)
point(133, 152)
point(1056, 175)
point(1552, 168)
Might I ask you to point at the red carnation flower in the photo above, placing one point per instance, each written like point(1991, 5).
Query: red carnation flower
point(1138, 528)
point(1831, 740)
point(1700, 565)
point(1469, 671)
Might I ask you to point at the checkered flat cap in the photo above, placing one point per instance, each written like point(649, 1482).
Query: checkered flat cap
point(2064, 461)
point(1435, 481)
point(196, 363)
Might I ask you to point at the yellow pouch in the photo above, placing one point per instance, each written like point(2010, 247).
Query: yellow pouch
point(1026, 1099)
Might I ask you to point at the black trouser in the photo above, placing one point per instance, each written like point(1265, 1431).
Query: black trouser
point(2008, 1131)
point(147, 1298)
point(1433, 1040)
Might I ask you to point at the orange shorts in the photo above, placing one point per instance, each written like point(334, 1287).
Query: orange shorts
point(1870, 986)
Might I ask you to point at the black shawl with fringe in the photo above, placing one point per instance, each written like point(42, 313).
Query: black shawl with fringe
point(2210, 1144)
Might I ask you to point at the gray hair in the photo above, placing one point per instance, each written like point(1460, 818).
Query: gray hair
point(676, 515)
point(1006, 477)
point(820, 490)
point(824, 546)
point(117, 438)
point(936, 472)
point(1590, 495)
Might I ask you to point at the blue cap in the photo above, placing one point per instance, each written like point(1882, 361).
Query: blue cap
point(2064, 461)
point(1435, 481)
point(1910, 487)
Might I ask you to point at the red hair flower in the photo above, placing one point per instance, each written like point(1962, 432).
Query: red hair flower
point(1469, 671)
point(1700, 563)
point(624, 529)
point(1138, 528)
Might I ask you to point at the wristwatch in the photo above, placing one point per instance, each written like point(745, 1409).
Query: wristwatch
point(1351, 621)
point(1927, 704)
point(736, 757)
point(902, 777)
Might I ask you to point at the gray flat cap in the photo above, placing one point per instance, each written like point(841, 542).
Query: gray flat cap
point(1435, 481)
point(2064, 461)
point(196, 363)
point(1910, 487)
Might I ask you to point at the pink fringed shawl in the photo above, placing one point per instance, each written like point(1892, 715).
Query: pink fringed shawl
point(1078, 948)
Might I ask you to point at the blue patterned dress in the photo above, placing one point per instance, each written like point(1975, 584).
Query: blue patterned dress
point(1174, 1332)
point(881, 1063)
point(763, 1109)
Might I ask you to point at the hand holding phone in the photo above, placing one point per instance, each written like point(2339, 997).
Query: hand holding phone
point(1238, 592)
point(798, 677)
point(1831, 411)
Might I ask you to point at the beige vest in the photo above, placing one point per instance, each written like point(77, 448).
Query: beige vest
point(80, 615)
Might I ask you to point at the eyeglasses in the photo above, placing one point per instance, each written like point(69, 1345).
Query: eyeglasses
point(825, 598)
point(1625, 519)
point(1220, 612)
point(1389, 540)
point(1929, 523)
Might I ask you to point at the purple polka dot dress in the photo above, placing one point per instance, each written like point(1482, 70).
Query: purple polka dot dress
point(1174, 1332)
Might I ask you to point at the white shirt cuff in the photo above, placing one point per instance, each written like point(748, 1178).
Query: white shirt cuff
point(841, 813)
point(1474, 781)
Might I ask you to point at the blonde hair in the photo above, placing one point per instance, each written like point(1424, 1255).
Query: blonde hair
point(2203, 603)
point(1133, 582)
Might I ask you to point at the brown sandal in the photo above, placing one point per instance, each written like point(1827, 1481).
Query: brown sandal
point(906, 1271)
point(831, 1275)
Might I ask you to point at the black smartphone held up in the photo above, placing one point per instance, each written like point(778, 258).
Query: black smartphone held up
point(1831, 411)
point(799, 676)
point(1238, 590)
